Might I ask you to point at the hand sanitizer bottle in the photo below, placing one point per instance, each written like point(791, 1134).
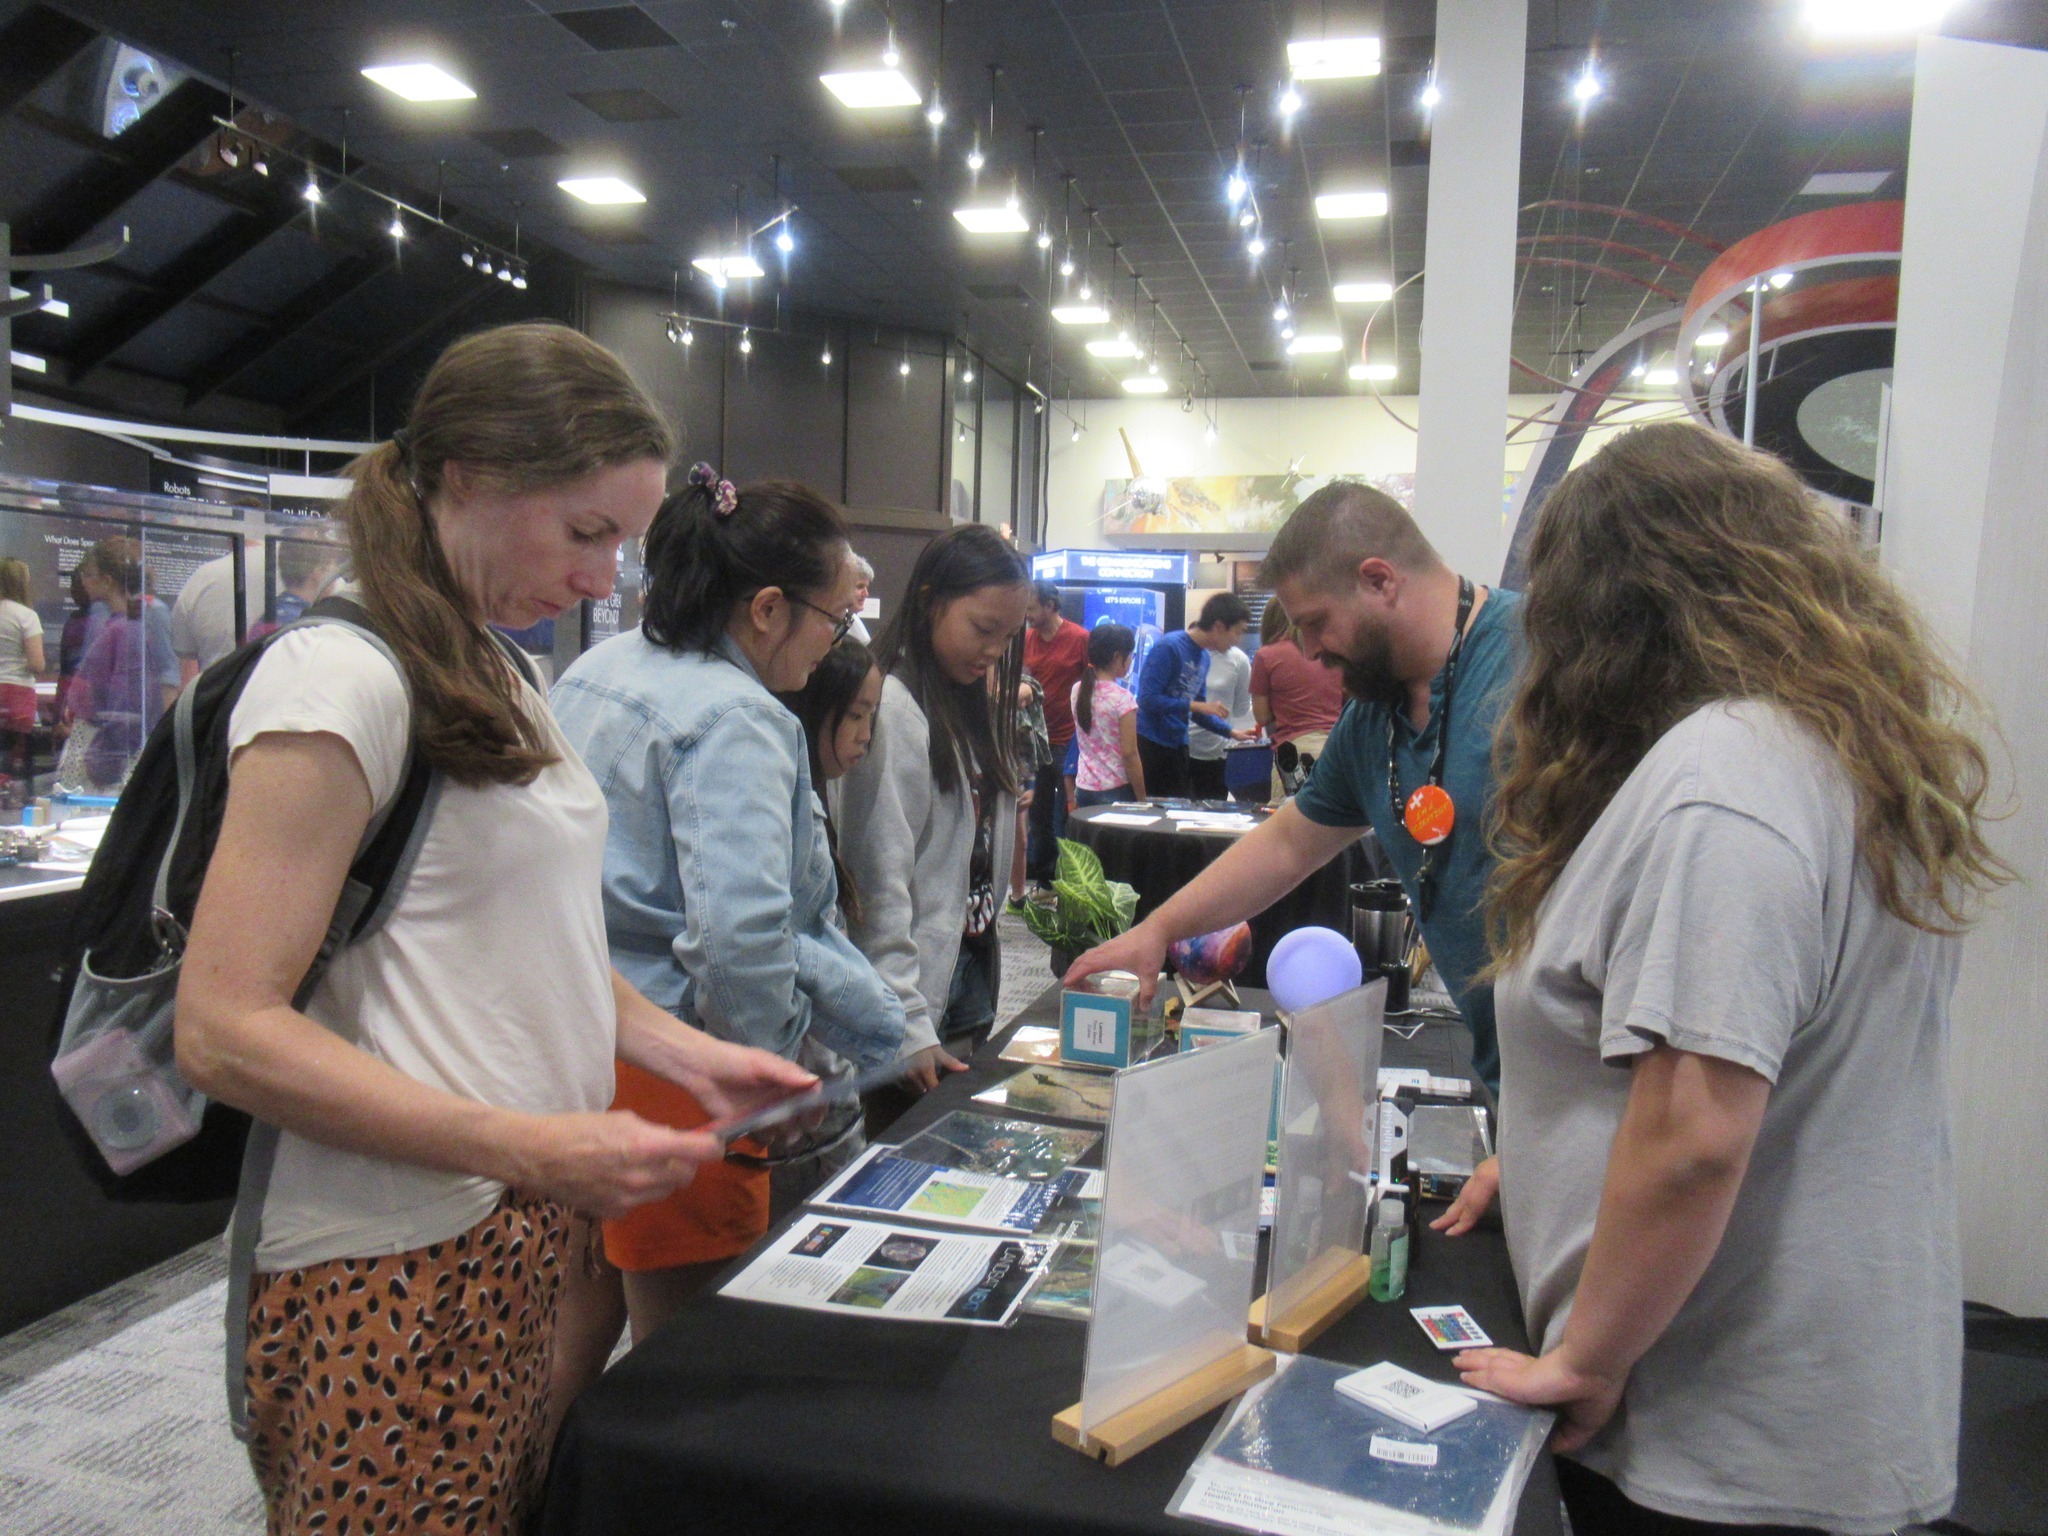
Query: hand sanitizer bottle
point(1390, 1249)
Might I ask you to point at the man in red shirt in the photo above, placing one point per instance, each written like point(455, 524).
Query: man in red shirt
point(1295, 697)
point(1055, 651)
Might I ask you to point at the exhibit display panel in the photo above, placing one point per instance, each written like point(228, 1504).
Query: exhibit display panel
point(106, 571)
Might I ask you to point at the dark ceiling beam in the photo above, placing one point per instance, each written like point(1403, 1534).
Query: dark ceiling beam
point(249, 349)
point(317, 400)
point(220, 188)
point(160, 138)
point(34, 47)
point(180, 279)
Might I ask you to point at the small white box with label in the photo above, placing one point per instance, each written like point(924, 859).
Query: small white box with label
point(1096, 1018)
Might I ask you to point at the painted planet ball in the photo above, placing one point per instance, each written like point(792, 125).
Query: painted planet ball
point(1310, 966)
point(1212, 957)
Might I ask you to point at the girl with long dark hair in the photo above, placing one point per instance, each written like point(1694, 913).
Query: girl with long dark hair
point(1741, 828)
point(1109, 767)
point(441, 1095)
point(719, 891)
point(837, 708)
point(928, 817)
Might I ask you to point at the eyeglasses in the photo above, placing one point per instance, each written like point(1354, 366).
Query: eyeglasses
point(842, 623)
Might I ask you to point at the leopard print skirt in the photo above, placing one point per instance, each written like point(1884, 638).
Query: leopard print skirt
point(408, 1393)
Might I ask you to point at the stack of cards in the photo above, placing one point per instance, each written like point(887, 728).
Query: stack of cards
point(1414, 1400)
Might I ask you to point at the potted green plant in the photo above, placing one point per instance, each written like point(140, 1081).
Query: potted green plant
point(1084, 908)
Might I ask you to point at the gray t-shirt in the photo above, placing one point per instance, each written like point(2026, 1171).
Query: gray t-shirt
point(1230, 684)
point(1719, 905)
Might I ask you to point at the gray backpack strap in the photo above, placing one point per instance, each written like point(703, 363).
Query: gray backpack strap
point(259, 1155)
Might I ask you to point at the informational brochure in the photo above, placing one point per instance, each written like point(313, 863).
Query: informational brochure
point(1063, 1093)
point(1069, 1283)
point(1011, 1149)
point(871, 1269)
point(1296, 1457)
point(883, 1180)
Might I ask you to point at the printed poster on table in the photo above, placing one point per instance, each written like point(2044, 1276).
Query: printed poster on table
point(883, 1181)
point(869, 1269)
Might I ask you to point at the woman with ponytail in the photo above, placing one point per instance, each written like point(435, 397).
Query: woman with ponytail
point(441, 1095)
point(1106, 722)
point(928, 816)
point(719, 893)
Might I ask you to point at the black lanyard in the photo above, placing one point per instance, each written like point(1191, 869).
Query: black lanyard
point(1426, 876)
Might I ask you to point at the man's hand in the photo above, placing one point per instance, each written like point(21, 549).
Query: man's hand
point(928, 1065)
point(1140, 951)
point(1584, 1401)
point(1473, 1201)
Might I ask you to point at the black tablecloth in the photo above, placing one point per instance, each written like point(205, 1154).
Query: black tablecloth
point(740, 1416)
point(1159, 859)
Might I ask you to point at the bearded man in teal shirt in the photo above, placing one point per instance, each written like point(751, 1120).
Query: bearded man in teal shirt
point(1428, 658)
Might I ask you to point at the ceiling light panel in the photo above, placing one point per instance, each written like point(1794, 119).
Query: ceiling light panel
point(867, 89)
point(1351, 205)
point(1334, 58)
point(419, 82)
point(602, 190)
point(1002, 219)
point(1844, 183)
point(1362, 293)
point(1145, 384)
point(1080, 314)
point(1310, 345)
point(1378, 373)
point(1113, 346)
point(1852, 19)
point(729, 268)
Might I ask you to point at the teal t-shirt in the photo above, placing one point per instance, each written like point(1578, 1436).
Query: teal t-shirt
point(1348, 788)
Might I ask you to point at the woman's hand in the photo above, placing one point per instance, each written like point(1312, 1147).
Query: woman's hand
point(923, 1070)
point(730, 1079)
point(1584, 1401)
point(604, 1164)
point(1473, 1201)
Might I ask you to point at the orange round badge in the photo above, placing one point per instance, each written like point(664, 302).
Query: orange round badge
point(1430, 815)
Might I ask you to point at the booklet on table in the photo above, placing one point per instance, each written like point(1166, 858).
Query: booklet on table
point(1012, 1149)
point(872, 1269)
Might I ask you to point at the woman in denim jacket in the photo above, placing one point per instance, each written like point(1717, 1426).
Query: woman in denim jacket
point(719, 894)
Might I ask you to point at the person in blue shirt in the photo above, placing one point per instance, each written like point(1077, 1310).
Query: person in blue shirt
point(1428, 659)
point(1170, 692)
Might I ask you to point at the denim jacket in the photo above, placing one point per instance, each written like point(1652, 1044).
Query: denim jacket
point(719, 898)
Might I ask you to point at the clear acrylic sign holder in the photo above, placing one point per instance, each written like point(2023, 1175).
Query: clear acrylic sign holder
point(1183, 1167)
point(1317, 1269)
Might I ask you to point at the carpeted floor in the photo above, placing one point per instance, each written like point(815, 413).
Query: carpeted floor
point(113, 1420)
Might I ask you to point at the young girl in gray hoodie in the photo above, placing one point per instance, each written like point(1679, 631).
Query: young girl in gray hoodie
point(927, 818)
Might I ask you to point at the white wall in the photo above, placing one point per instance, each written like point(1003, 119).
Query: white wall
point(1964, 532)
point(1353, 434)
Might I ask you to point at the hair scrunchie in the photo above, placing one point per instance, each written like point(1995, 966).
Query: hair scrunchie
point(725, 500)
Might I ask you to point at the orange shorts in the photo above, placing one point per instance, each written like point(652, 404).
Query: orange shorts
point(720, 1213)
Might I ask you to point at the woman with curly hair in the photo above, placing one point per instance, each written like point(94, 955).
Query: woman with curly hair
point(1740, 832)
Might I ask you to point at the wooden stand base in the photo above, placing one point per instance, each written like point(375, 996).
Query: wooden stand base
point(1118, 1438)
point(1340, 1279)
point(1198, 997)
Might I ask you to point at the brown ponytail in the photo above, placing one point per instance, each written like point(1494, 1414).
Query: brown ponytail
point(520, 408)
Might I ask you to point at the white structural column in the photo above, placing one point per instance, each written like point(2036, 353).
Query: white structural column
point(1966, 531)
point(1475, 167)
